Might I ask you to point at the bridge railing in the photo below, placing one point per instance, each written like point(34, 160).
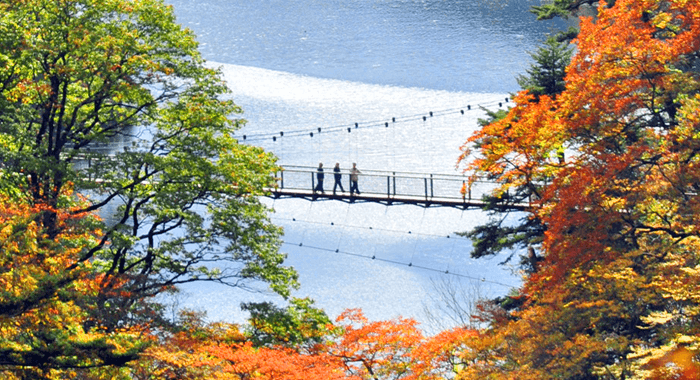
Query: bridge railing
point(387, 183)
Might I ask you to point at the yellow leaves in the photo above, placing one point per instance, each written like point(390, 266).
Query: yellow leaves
point(692, 271)
point(613, 203)
point(524, 147)
point(662, 20)
point(690, 119)
point(5, 232)
point(658, 318)
point(670, 361)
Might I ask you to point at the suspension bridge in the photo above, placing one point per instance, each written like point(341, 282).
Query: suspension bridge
point(378, 186)
point(385, 187)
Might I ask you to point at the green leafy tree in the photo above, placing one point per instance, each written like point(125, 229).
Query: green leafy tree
point(112, 98)
point(300, 325)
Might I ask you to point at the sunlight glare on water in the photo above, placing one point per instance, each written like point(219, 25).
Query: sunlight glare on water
point(282, 102)
point(395, 235)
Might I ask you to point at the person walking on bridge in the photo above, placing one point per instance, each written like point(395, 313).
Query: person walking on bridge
point(319, 179)
point(354, 174)
point(337, 177)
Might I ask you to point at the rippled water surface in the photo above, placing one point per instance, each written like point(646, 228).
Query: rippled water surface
point(457, 45)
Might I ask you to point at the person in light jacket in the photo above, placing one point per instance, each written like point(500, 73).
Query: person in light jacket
point(354, 174)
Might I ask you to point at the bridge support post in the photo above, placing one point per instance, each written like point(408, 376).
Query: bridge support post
point(431, 187)
point(425, 183)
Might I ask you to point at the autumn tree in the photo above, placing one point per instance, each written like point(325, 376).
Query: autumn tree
point(507, 229)
point(615, 295)
point(201, 350)
point(376, 350)
point(397, 349)
point(352, 348)
point(113, 97)
point(47, 294)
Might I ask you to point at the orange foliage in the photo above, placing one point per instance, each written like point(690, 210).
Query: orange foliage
point(357, 349)
point(616, 293)
point(221, 351)
point(373, 350)
point(396, 349)
point(443, 354)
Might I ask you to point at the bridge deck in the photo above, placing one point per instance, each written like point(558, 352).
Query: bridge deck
point(381, 198)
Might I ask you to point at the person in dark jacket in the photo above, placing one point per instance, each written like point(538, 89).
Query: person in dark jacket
point(319, 179)
point(337, 177)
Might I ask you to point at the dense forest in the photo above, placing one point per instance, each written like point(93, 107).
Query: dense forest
point(602, 143)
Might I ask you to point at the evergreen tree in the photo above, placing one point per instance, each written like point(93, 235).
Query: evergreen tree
point(546, 75)
point(565, 8)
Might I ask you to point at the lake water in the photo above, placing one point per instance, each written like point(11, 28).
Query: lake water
point(297, 66)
